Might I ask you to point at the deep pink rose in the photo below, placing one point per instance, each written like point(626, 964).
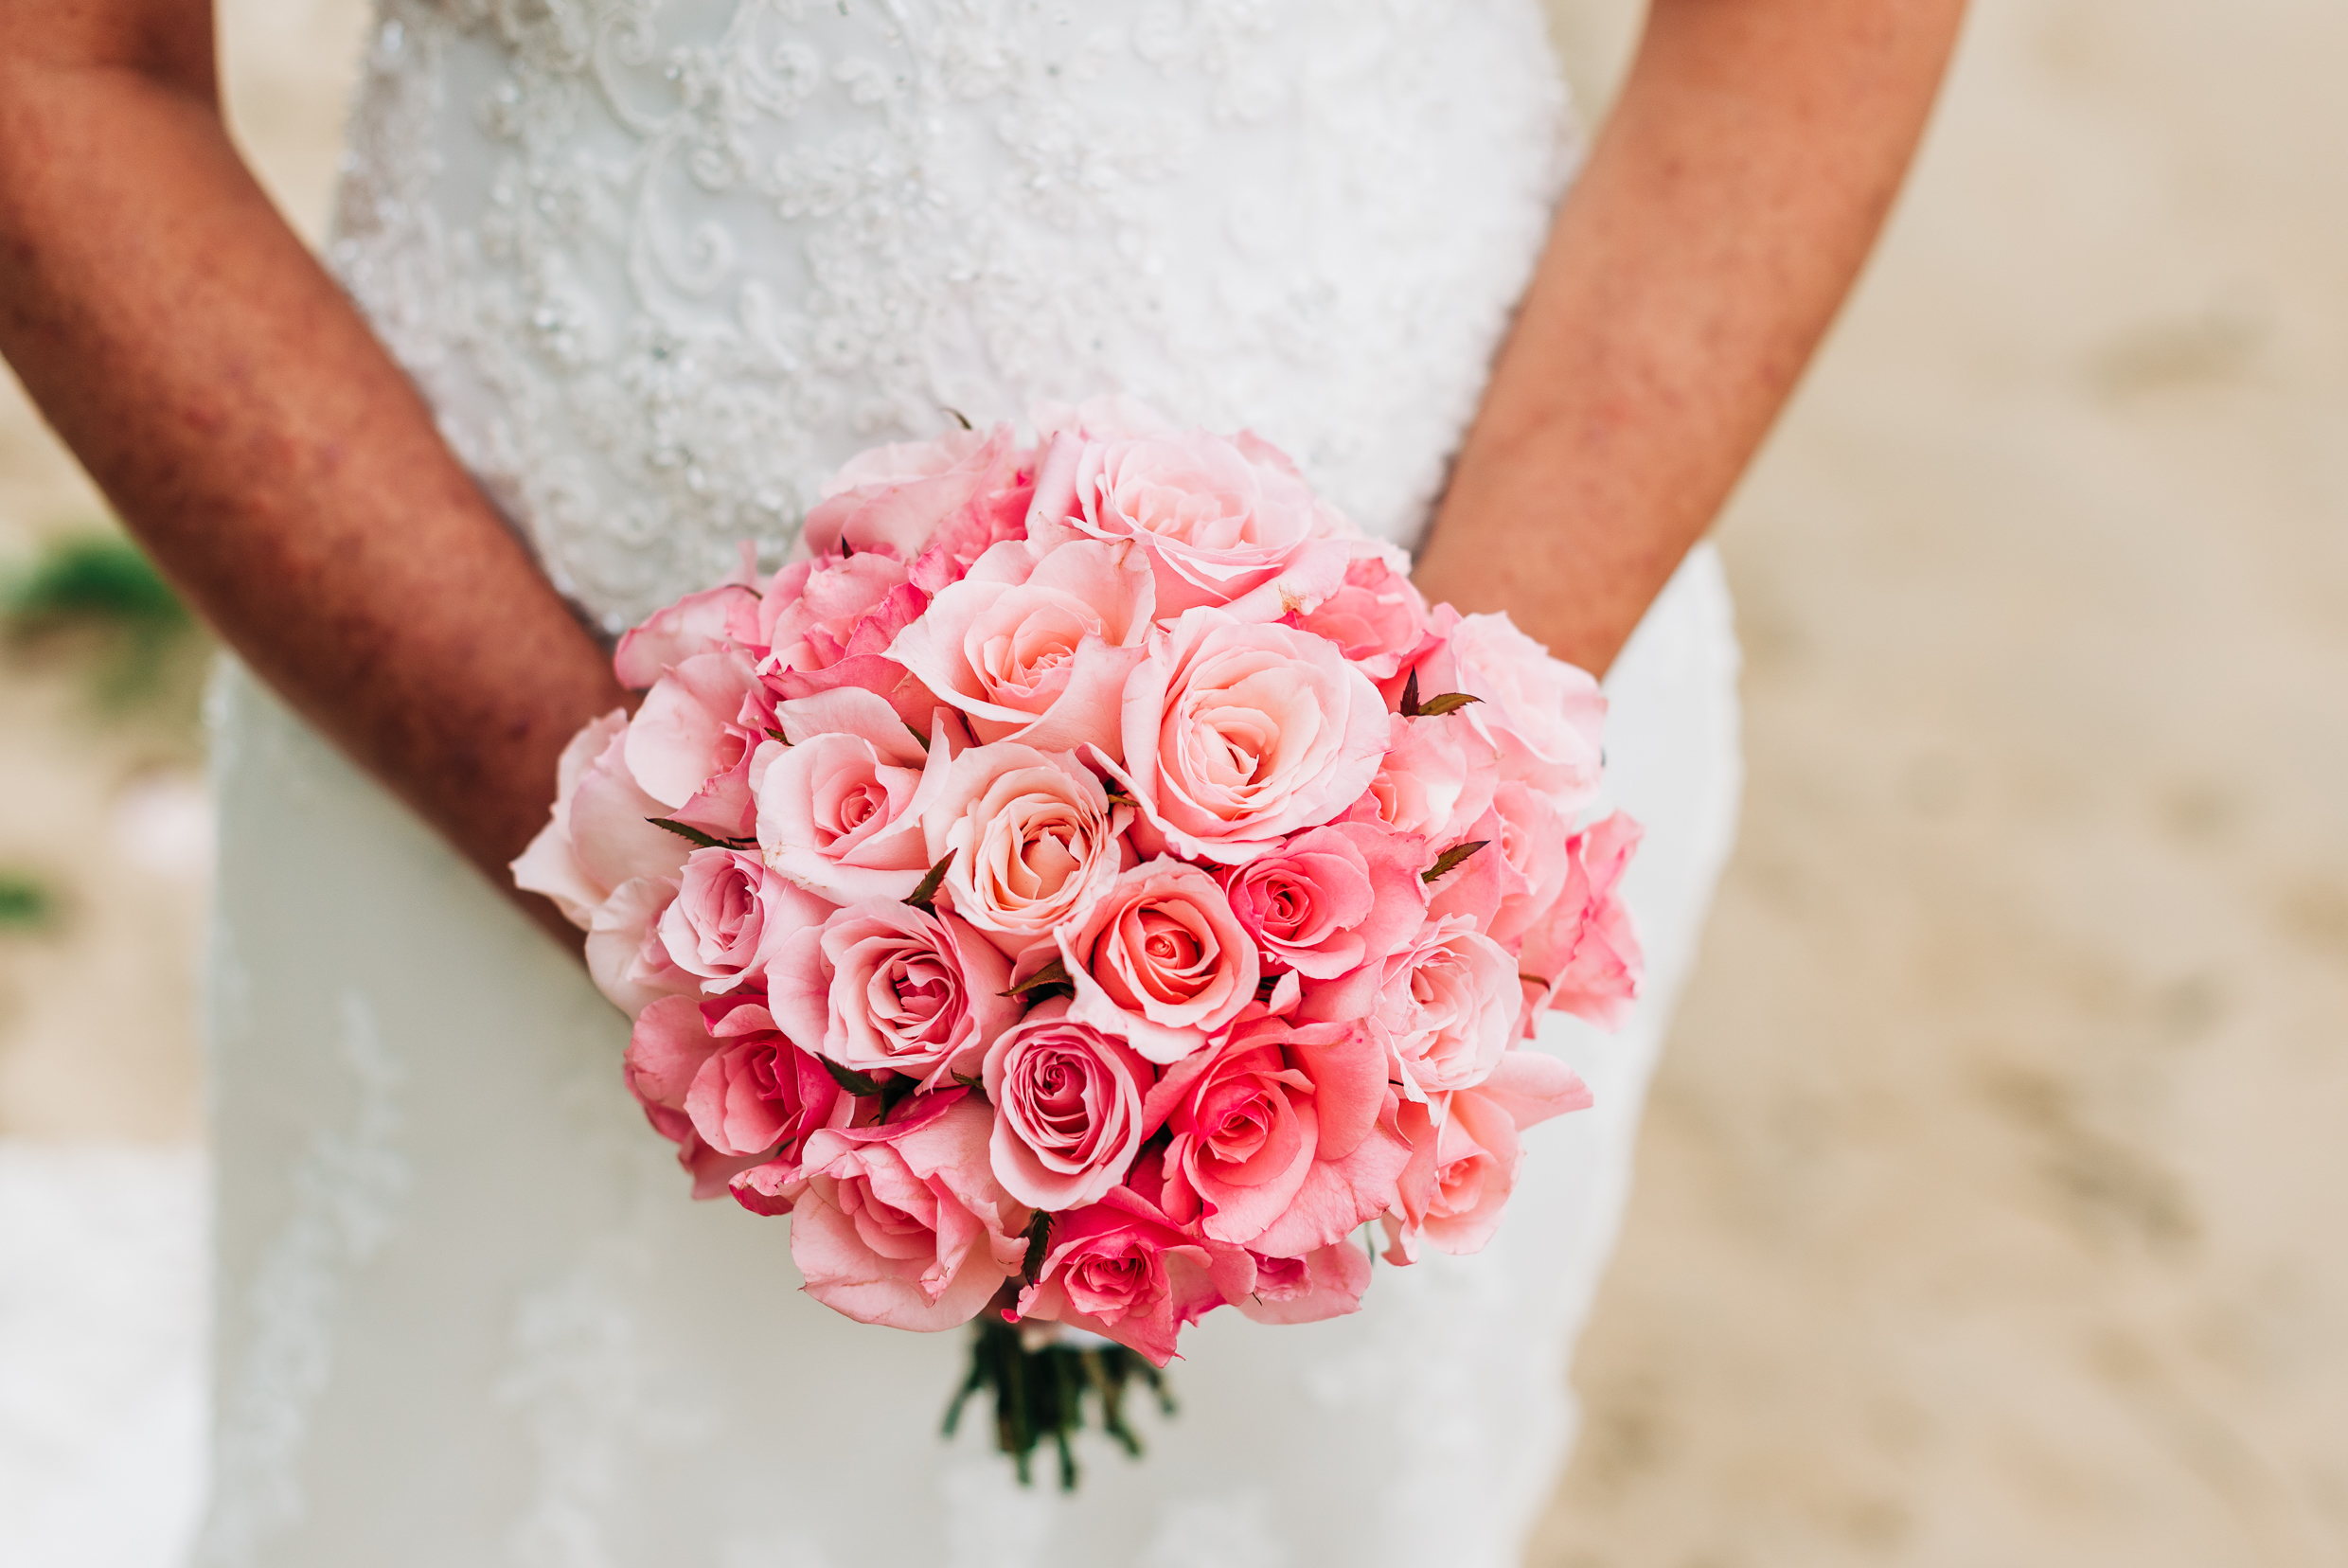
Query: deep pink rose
point(1034, 839)
point(711, 622)
point(885, 986)
point(1035, 645)
point(716, 928)
point(666, 1051)
point(1446, 1004)
point(1068, 1107)
point(1160, 960)
point(1583, 956)
point(1325, 1283)
point(840, 809)
point(1122, 1269)
point(1253, 1117)
point(1330, 899)
point(597, 837)
point(1466, 1153)
point(934, 506)
point(1238, 735)
point(903, 1223)
point(817, 612)
point(1545, 715)
point(1377, 618)
point(690, 743)
point(1434, 780)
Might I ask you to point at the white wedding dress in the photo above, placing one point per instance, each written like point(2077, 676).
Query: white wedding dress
point(661, 265)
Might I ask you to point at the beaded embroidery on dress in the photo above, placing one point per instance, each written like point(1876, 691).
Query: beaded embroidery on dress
point(660, 266)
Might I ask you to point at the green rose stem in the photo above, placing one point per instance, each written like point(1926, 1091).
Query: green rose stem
point(1040, 1394)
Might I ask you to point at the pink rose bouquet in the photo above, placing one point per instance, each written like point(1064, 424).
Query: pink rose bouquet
point(1091, 889)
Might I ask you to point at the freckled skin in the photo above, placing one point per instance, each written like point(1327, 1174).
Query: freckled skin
point(248, 428)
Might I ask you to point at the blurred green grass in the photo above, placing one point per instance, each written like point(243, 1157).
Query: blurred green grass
point(90, 599)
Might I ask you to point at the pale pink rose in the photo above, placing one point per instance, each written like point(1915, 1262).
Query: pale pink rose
point(597, 837)
point(946, 500)
point(669, 1045)
point(1325, 1283)
point(1121, 1269)
point(690, 743)
point(1465, 1163)
point(1034, 839)
point(625, 958)
point(1035, 645)
point(1238, 735)
point(1160, 960)
point(840, 811)
point(1330, 899)
point(1434, 780)
point(706, 622)
point(903, 1223)
point(1221, 516)
point(1446, 1004)
point(1252, 1118)
point(883, 986)
point(1529, 845)
point(717, 927)
point(1376, 619)
point(1583, 956)
point(1068, 1108)
point(1545, 715)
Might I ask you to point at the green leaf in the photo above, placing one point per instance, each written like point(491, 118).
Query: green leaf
point(961, 418)
point(916, 734)
point(779, 735)
point(696, 836)
point(1410, 695)
point(1451, 860)
point(896, 1092)
point(1119, 797)
point(1039, 1241)
point(849, 1078)
point(968, 1081)
point(1054, 973)
point(924, 897)
point(1450, 701)
point(1532, 980)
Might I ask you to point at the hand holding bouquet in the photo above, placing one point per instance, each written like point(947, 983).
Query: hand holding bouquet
point(1089, 887)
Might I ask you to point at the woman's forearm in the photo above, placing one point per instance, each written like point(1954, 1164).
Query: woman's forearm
point(253, 434)
point(1724, 212)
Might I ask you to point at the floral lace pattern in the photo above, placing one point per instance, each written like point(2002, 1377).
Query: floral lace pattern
point(663, 265)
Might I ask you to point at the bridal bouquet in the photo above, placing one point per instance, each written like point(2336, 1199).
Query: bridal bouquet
point(1089, 888)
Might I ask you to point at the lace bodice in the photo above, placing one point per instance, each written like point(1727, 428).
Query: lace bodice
point(663, 264)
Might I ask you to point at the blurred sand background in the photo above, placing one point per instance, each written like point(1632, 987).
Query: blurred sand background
point(1992, 1205)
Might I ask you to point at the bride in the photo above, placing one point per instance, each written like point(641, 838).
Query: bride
point(616, 284)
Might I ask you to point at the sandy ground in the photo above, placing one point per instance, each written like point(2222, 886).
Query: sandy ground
point(1991, 1206)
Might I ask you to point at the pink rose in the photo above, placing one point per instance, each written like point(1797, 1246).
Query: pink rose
point(953, 496)
point(883, 986)
point(1447, 1004)
point(716, 928)
point(840, 809)
point(1034, 840)
point(711, 622)
point(1324, 1284)
point(1377, 618)
point(625, 958)
point(1545, 715)
point(1036, 645)
point(1160, 960)
point(1122, 1269)
point(903, 1223)
point(1221, 517)
point(668, 1050)
point(1330, 899)
point(690, 743)
point(1238, 735)
point(817, 612)
point(1583, 956)
point(597, 837)
point(1268, 1132)
point(1529, 847)
point(1068, 1108)
point(1434, 780)
point(1465, 1165)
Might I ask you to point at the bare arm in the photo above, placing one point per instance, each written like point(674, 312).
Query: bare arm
point(252, 432)
point(1724, 213)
